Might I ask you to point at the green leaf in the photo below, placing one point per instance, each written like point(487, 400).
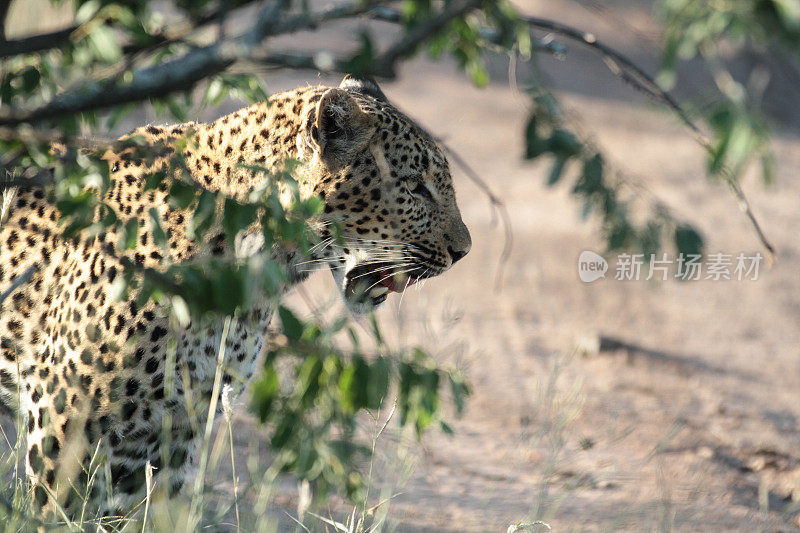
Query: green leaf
point(378, 383)
point(649, 238)
point(308, 379)
point(353, 384)
point(688, 240)
point(767, 168)
point(152, 181)
point(177, 110)
point(129, 234)
point(789, 11)
point(159, 236)
point(619, 235)
point(376, 332)
point(215, 92)
point(118, 113)
point(87, 11)
point(230, 290)
point(237, 217)
point(478, 73)
point(109, 217)
point(534, 144)
point(286, 428)
point(181, 195)
point(593, 172)
point(564, 143)
point(104, 44)
point(30, 79)
point(556, 170)
point(69, 205)
point(292, 327)
point(362, 60)
point(460, 391)
point(264, 393)
point(203, 215)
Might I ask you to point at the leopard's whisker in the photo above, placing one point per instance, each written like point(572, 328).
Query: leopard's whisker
point(403, 293)
point(389, 267)
point(401, 271)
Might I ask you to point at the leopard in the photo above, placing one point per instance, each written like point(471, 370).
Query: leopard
point(84, 368)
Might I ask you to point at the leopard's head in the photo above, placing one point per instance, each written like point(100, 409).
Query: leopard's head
point(387, 185)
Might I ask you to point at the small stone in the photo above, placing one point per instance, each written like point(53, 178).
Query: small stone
point(705, 452)
point(587, 344)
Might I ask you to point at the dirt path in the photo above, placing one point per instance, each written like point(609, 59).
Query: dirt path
point(688, 418)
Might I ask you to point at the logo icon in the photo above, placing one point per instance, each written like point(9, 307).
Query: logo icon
point(591, 266)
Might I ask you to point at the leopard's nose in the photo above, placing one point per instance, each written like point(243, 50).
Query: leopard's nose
point(459, 241)
point(455, 255)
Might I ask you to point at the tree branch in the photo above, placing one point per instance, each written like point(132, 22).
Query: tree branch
point(58, 38)
point(36, 43)
point(184, 72)
point(620, 65)
point(300, 62)
point(394, 16)
point(383, 65)
point(495, 202)
point(4, 6)
point(51, 136)
point(405, 46)
point(39, 179)
point(629, 72)
point(173, 76)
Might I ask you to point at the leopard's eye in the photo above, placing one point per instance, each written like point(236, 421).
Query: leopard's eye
point(420, 190)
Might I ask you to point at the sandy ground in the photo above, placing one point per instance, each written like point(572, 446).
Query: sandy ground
point(686, 415)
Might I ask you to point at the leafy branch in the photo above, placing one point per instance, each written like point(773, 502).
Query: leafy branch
point(181, 73)
point(628, 71)
point(619, 64)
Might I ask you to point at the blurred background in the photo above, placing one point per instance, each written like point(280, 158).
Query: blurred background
point(611, 405)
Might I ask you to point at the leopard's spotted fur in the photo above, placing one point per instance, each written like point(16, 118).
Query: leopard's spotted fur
point(83, 368)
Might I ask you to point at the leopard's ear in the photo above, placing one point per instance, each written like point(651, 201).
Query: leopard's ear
point(365, 85)
point(339, 128)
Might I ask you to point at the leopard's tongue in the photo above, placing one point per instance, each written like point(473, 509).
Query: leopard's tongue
point(398, 283)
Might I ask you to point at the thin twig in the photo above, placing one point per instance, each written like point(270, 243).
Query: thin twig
point(39, 179)
point(19, 280)
point(620, 65)
point(212, 408)
point(628, 71)
point(233, 473)
point(148, 478)
point(744, 205)
point(615, 17)
point(496, 203)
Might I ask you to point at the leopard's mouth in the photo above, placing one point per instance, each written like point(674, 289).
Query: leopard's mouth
point(372, 282)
